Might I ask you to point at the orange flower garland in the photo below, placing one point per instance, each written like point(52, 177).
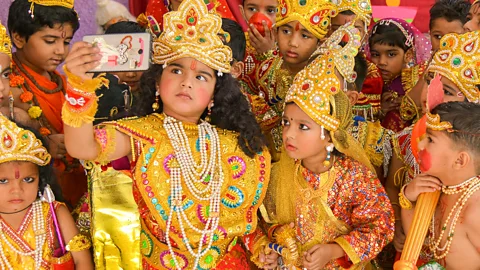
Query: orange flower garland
point(26, 97)
point(44, 131)
point(16, 80)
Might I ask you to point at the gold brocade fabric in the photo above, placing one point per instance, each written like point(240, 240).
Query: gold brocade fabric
point(24, 239)
point(243, 190)
point(115, 220)
point(346, 205)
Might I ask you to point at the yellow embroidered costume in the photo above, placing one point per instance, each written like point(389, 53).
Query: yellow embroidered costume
point(195, 190)
point(347, 204)
point(32, 245)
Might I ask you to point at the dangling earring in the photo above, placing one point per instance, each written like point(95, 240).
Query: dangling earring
point(155, 105)
point(11, 100)
point(411, 63)
point(209, 112)
point(39, 194)
point(322, 133)
point(329, 148)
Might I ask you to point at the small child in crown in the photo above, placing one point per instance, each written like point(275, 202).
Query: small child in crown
point(34, 227)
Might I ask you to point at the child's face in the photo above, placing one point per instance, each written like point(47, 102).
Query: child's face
point(302, 135)
point(296, 44)
point(437, 154)
point(342, 19)
point(186, 88)
point(5, 72)
point(267, 7)
point(132, 78)
point(18, 185)
point(441, 27)
point(389, 59)
point(451, 92)
point(473, 19)
point(46, 49)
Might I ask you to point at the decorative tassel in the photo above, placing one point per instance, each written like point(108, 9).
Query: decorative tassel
point(329, 148)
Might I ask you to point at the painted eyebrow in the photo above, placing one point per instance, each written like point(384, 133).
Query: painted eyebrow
point(206, 73)
point(7, 69)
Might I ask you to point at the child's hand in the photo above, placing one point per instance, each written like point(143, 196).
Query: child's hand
point(262, 44)
point(57, 146)
point(389, 103)
point(317, 257)
point(82, 58)
point(269, 260)
point(420, 184)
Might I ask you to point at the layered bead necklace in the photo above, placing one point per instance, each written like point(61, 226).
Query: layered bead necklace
point(195, 175)
point(467, 189)
point(40, 237)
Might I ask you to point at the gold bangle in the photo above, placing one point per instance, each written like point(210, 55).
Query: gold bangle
point(405, 203)
point(78, 243)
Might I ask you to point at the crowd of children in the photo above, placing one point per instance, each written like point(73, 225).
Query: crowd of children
point(306, 139)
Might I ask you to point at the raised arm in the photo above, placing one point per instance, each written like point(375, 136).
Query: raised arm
point(81, 140)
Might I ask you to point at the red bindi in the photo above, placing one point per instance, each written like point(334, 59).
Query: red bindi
point(64, 34)
point(297, 26)
point(17, 172)
point(193, 65)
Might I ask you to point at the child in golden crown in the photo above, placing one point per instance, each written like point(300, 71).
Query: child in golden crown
point(41, 31)
point(360, 12)
point(201, 164)
point(330, 210)
point(457, 86)
point(301, 25)
point(36, 232)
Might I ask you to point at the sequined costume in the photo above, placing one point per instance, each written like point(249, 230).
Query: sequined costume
point(397, 120)
point(375, 140)
point(24, 240)
point(346, 205)
point(372, 88)
point(242, 192)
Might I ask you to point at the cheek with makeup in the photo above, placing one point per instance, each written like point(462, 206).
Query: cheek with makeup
point(302, 137)
point(19, 183)
point(5, 72)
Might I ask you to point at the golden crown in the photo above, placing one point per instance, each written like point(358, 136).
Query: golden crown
point(361, 8)
point(434, 123)
point(49, 3)
point(314, 87)
point(192, 32)
point(458, 59)
point(314, 15)
point(5, 42)
point(344, 44)
point(18, 144)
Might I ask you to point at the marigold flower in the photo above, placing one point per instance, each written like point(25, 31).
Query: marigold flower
point(44, 131)
point(16, 80)
point(26, 97)
point(34, 112)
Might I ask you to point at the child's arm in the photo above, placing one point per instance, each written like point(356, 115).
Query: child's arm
point(372, 219)
point(83, 258)
point(472, 221)
point(392, 189)
point(420, 184)
point(80, 141)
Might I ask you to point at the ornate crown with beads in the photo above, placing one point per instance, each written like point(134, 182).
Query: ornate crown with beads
point(18, 144)
point(361, 8)
point(314, 87)
point(458, 59)
point(192, 32)
point(49, 3)
point(5, 42)
point(344, 44)
point(314, 15)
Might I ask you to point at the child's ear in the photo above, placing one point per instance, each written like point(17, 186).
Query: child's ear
point(463, 160)
point(352, 96)
point(237, 69)
point(18, 40)
point(409, 58)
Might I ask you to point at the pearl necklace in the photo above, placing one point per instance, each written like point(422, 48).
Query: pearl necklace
point(457, 188)
point(468, 188)
point(40, 237)
point(194, 175)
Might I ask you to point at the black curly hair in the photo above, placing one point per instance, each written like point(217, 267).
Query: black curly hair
point(450, 10)
point(231, 110)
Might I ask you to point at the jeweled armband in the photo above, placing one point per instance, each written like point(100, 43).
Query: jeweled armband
point(78, 243)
